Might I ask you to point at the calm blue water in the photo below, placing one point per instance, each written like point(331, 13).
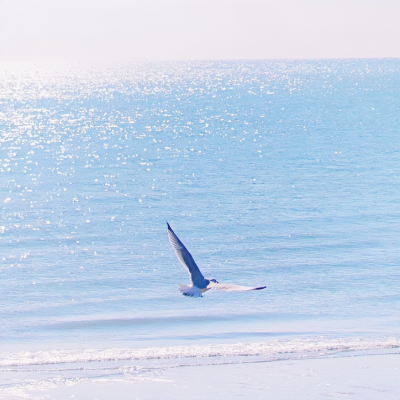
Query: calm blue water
point(271, 172)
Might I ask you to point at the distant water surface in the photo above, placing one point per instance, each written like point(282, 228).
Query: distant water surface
point(284, 173)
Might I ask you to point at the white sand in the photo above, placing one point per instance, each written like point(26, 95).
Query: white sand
point(364, 377)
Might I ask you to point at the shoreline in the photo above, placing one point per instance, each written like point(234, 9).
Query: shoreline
point(362, 377)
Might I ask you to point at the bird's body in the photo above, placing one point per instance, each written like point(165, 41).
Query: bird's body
point(199, 283)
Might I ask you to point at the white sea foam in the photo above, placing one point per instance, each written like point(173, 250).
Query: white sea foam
point(319, 346)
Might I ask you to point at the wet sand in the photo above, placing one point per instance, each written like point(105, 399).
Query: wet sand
point(359, 377)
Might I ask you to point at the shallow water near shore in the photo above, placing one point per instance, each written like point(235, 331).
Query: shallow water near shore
point(283, 173)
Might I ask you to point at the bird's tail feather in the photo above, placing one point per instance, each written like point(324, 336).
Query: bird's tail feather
point(191, 291)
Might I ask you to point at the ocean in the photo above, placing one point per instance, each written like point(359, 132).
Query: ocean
point(277, 173)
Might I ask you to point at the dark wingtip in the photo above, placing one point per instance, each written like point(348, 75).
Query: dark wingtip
point(259, 288)
point(169, 228)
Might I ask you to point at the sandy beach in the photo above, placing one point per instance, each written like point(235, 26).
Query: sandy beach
point(366, 377)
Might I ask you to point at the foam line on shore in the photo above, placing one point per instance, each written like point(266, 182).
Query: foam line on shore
point(319, 346)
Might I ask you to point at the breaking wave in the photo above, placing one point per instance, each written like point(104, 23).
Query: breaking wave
point(316, 346)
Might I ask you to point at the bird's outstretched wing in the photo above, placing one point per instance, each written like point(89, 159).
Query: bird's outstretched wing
point(231, 287)
point(185, 258)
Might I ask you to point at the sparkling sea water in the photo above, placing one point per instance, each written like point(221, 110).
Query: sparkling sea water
point(277, 173)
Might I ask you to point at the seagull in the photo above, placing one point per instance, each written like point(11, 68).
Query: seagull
point(199, 283)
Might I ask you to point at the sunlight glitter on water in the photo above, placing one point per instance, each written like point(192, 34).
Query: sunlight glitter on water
point(276, 173)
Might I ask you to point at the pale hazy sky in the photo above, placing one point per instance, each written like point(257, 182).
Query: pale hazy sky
point(122, 30)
